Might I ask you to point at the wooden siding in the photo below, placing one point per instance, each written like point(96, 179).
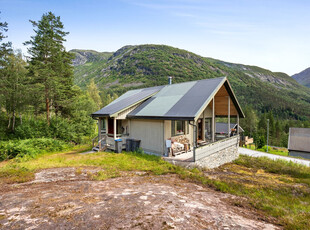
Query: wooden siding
point(151, 134)
point(221, 103)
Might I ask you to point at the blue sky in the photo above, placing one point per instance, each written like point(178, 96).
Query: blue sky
point(273, 34)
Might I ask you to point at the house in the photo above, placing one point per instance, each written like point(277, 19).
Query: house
point(299, 142)
point(172, 119)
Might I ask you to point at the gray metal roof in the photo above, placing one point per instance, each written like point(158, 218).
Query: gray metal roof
point(177, 101)
point(221, 127)
point(129, 98)
point(299, 139)
point(180, 101)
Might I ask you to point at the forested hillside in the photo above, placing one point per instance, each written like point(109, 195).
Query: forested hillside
point(149, 65)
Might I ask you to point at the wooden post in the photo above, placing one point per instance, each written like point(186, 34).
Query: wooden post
point(203, 126)
point(213, 120)
point(99, 133)
point(115, 128)
point(228, 120)
point(194, 141)
point(106, 125)
point(237, 123)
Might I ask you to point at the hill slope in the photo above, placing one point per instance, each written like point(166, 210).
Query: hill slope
point(303, 77)
point(149, 65)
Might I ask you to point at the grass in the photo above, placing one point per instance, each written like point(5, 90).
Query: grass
point(271, 150)
point(279, 189)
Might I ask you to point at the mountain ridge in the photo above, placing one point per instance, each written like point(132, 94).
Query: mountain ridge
point(148, 65)
point(303, 77)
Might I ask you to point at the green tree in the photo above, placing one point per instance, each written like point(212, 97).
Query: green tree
point(13, 86)
point(262, 124)
point(93, 93)
point(107, 98)
point(5, 47)
point(50, 64)
point(5, 51)
point(249, 122)
point(271, 124)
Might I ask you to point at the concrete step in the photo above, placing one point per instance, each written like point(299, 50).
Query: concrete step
point(96, 149)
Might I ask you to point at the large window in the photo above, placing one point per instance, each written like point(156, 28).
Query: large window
point(178, 128)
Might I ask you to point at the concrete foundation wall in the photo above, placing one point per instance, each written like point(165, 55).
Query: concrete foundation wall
point(305, 155)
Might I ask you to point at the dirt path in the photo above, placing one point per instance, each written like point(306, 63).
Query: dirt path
point(65, 199)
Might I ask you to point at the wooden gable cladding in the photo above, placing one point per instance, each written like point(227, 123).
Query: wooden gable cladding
point(221, 103)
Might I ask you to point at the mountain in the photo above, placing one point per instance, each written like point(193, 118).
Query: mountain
point(148, 65)
point(303, 77)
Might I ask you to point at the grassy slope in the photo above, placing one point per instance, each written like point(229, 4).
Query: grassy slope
point(151, 64)
point(277, 188)
point(271, 150)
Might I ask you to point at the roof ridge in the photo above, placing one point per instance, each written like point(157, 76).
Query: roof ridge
point(179, 83)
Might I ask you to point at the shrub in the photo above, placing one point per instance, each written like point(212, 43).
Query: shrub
point(70, 130)
point(30, 148)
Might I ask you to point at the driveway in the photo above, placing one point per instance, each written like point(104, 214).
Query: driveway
point(254, 153)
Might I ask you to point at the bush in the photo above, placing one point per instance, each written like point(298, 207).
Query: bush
point(30, 148)
point(70, 130)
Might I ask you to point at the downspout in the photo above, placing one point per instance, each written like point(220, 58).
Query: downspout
point(194, 142)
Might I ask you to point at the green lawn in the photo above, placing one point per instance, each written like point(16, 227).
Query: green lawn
point(278, 189)
point(271, 150)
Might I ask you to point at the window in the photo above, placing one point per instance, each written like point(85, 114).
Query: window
point(177, 128)
point(103, 124)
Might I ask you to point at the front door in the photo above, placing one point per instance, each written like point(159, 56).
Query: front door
point(110, 125)
point(200, 133)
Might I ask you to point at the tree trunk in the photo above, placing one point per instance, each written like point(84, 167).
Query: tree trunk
point(21, 118)
point(9, 121)
point(47, 103)
point(13, 121)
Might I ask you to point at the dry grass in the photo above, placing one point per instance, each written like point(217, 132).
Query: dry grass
point(277, 188)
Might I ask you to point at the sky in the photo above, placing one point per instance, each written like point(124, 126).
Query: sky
point(272, 34)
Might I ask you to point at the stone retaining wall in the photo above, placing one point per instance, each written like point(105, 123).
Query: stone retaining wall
point(218, 158)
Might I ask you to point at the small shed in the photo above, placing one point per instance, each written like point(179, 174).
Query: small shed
point(299, 142)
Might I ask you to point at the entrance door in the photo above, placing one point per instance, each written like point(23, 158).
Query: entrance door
point(110, 126)
point(200, 131)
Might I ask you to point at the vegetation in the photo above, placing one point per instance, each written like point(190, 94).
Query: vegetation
point(38, 98)
point(30, 148)
point(50, 64)
point(149, 65)
point(271, 150)
point(280, 189)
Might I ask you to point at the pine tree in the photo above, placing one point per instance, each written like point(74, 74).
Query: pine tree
point(5, 47)
point(14, 86)
point(5, 51)
point(50, 64)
